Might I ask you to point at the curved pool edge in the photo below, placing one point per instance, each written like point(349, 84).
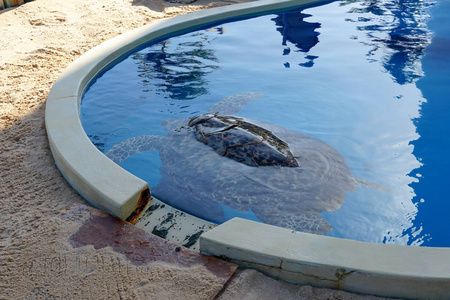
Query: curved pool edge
point(388, 270)
point(322, 261)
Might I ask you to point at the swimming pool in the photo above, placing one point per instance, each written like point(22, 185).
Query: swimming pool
point(368, 108)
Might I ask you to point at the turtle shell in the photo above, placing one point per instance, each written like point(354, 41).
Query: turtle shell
point(244, 142)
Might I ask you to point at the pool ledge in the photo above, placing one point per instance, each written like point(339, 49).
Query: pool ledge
point(368, 268)
point(389, 270)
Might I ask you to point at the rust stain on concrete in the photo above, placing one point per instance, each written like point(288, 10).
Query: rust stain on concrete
point(143, 200)
point(101, 230)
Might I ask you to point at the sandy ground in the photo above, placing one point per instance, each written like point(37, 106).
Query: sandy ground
point(38, 41)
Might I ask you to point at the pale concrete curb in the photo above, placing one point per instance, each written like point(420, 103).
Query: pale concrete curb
point(379, 269)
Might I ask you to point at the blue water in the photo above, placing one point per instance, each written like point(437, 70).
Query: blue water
point(369, 78)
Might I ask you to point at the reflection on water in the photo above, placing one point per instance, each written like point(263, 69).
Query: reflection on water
point(301, 34)
point(396, 37)
point(398, 28)
point(370, 87)
point(178, 73)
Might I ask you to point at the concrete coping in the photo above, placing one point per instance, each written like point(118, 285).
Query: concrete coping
point(369, 268)
point(390, 270)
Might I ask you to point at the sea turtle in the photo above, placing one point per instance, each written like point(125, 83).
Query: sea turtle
point(284, 177)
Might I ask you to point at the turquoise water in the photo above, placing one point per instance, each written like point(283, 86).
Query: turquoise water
point(370, 79)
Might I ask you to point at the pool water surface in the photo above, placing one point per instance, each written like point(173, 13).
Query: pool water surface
point(368, 79)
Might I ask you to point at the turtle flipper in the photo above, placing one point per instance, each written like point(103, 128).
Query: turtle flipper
point(309, 223)
point(170, 193)
point(233, 104)
point(135, 145)
point(368, 184)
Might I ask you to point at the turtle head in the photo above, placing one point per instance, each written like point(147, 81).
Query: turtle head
point(173, 125)
point(200, 119)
